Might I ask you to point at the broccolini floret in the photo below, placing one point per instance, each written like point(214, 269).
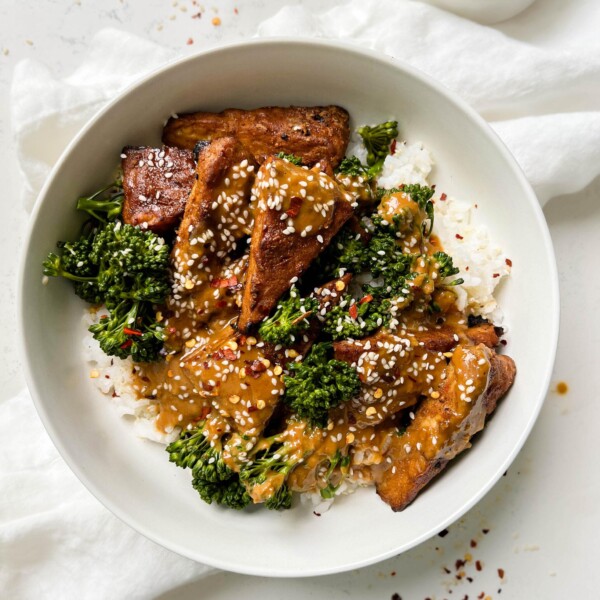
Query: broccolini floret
point(130, 329)
point(346, 251)
point(292, 158)
point(421, 194)
point(377, 141)
point(341, 463)
point(265, 476)
point(211, 477)
point(446, 267)
point(351, 319)
point(230, 493)
point(318, 384)
point(123, 267)
point(352, 166)
point(106, 204)
point(291, 318)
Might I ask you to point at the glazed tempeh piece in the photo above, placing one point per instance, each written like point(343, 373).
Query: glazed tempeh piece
point(298, 212)
point(312, 133)
point(156, 185)
point(445, 422)
point(218, 213)
point(442, 339)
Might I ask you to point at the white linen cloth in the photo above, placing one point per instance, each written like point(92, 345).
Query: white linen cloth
point(543, 103)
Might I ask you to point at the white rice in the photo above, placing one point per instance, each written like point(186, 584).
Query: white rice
point(409, 164)
point(112, 376)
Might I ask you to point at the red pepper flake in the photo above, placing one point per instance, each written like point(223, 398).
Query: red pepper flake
point(501, 573)
point(126, 345)
point(482, 595)
point(366, 299)
point(220, 304)
point(204, 412)
point(103, 317)
point(190, 41)
point(508, 262)
point(393, 573)
point(459, 237)
point(459, 564)
point(255, 368)
point(466, 268)
point(294, 210)
point(478, 565)
point(496, 275)
point(225, 354)
point(473, 543)
point(443, 197)
point(172, 330)
point(252, 409)
point(128, 331)
point(353, 311)
point(393, 147)
point(236, 11)
point(224, 282)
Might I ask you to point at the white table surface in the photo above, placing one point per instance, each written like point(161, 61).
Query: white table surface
point(543, 517)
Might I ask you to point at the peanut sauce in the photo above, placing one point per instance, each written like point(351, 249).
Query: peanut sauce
point(211, 369)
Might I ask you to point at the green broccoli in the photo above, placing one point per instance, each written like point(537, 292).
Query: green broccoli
point(123, 267)
point(130, 329)
point(421, 194)
point(104, 208)
point(351, 319)
point(446, 267)
point(337, 461)
point(268, 470)
point(291, 318)
point(352, 166)
point(74, 264)
point(292, 158)
point(346, 251)
point(230, 493)
point(280, 500)
point(211, 477)
point(377, 141)
point(318, 384)
point(387, 261)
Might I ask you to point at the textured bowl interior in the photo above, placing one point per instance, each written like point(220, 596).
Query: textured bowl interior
point(132, 477)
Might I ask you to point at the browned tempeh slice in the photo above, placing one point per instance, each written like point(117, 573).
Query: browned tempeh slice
point(298, 213)
point(218, 213)
point(234, 371)
point(443, 426)
point(312, 133)
point(443, 339)
point(156, 185)
point(485, 333)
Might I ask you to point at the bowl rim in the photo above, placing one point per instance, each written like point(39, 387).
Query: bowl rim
point(451, 97)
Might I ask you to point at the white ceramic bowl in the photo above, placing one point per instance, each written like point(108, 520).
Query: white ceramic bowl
point(133, 478)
